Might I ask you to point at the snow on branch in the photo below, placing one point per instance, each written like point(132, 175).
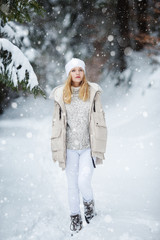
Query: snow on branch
point(15, 65)
point(8, 31)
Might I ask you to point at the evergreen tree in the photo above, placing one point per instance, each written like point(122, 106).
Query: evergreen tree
point(16, 72)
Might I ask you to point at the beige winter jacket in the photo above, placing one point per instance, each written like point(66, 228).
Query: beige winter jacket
point(97, 125)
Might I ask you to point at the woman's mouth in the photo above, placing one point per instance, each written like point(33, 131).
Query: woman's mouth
point(77, 77)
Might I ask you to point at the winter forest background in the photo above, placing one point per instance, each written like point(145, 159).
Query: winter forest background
point(119, 41)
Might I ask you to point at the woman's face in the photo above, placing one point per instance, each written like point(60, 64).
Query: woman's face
point(77, 74)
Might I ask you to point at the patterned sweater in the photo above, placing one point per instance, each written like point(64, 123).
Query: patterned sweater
point(77, 122)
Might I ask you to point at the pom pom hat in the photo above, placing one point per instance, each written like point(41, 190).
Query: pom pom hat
point(74, 62)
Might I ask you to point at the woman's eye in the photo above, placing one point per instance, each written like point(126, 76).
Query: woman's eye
point(73, 70)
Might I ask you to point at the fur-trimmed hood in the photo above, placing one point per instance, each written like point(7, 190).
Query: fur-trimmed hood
point(57, 92)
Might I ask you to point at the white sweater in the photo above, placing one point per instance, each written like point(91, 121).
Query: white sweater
point(77, 122)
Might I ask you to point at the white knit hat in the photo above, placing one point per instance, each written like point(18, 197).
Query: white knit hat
point(74, 62)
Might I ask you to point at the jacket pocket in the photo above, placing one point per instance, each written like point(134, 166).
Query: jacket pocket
point(56, 132)
point(56, 138)
point(101, 132)
point(99, 118)
point(100, 126)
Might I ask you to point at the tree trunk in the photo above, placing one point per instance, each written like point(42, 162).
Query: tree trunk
point(141, 22)
point(122, 14)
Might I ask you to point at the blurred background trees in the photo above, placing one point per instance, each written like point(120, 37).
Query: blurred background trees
point(102, 33)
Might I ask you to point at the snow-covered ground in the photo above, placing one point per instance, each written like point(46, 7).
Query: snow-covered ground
point(33, 189)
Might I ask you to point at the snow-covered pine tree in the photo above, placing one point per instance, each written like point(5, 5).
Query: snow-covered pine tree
point(15, 69)
point(16, 72)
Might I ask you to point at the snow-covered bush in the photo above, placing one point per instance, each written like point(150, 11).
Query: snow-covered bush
point(15, 69)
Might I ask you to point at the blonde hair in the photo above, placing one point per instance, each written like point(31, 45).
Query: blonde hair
point(84, 93)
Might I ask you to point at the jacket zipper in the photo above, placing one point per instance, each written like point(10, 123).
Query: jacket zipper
point(60, 115)
point(93, 105)
point(94, 109)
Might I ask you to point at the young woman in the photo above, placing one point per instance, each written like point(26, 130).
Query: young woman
point(79, 136)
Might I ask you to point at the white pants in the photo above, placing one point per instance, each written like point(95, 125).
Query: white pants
point(79, 170)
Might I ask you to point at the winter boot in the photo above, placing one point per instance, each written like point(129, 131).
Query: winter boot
point(89, 210)
point(76, 223)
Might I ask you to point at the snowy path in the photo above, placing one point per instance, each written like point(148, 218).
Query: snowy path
point(33, 189)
